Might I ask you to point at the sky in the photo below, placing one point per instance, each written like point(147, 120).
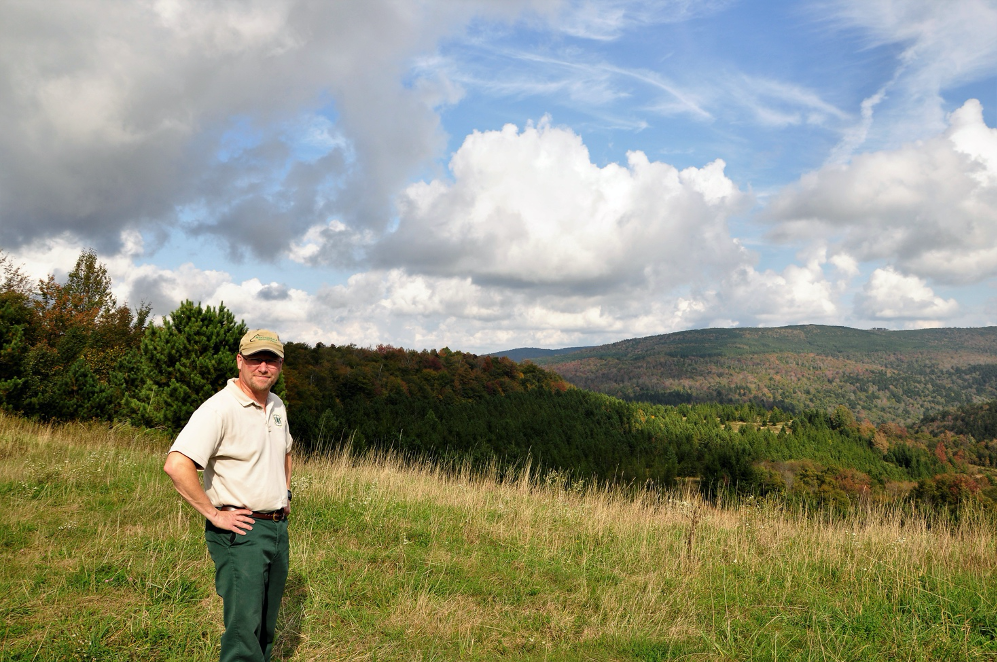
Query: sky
point(490, 174)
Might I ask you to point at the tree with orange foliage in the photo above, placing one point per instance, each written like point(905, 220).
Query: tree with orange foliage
point(79, 335)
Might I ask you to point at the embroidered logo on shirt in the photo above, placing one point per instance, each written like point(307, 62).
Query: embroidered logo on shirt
point(276, 419)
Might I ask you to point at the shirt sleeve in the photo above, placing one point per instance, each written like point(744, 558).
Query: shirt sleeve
point(200, 438)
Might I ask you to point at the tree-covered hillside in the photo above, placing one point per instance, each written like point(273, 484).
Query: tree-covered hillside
point(454, 405)
point(459, 406)
point(880, 375)
point(972, 426)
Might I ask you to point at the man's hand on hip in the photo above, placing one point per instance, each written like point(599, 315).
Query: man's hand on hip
point(182, 470)
point(233, 520)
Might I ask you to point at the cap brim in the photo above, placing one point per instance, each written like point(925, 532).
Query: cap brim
point(264, 350)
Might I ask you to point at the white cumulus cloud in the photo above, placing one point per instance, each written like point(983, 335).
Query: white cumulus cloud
point(529, 209)
point(769, 298)
point(929, 208)
point(893, 296)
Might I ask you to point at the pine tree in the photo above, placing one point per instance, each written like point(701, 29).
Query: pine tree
point(184, 362)
point(16, 333)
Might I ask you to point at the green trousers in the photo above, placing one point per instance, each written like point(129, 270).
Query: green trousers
point(250, 572)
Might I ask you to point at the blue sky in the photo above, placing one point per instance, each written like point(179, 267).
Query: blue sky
point(486, 175)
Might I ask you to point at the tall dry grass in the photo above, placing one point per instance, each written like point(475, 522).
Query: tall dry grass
point(679, 567)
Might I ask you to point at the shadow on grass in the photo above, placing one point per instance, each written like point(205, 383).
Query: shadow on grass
point(292, 610)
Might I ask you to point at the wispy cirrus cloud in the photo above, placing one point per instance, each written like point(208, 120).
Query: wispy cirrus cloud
point(608, 20)
point(591, 84)
point(939, 46)
point(779, 103)
point(600, 88)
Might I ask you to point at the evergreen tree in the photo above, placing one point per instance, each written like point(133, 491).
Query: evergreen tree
point(16, 330)
point(185, 361)
point(16, 334)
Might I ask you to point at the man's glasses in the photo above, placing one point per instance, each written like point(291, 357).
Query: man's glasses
point(254, 361)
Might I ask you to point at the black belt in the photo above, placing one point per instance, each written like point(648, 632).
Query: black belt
point(272, 515)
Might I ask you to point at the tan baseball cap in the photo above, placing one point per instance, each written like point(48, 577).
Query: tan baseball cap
point(261, 340)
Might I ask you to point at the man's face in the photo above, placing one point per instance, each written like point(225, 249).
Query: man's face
point(260, 371)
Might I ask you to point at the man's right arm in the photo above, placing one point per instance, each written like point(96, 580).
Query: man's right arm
point(182, 470)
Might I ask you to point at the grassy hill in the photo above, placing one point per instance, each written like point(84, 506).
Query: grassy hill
point(396, 561)
point(880, 375)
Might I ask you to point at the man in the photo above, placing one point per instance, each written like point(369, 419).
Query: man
point(239, 436)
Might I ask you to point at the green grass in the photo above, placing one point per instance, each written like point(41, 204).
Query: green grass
point(102, 561)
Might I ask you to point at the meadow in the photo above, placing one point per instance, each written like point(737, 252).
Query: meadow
point(407, 560)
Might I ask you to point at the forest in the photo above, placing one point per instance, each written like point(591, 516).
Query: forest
point(884, 376)
point(69, 351)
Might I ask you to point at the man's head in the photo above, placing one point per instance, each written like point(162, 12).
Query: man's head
point(261, 356)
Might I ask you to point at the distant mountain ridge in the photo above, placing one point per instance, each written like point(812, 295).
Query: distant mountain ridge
point(878, 374)
point(529, 353)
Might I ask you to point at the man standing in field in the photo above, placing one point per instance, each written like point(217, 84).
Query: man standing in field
point(240, 437)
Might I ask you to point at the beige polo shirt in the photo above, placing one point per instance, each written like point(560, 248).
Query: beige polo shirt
point(241, 447)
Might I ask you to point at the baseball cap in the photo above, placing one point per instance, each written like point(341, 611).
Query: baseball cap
point(261, 340)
